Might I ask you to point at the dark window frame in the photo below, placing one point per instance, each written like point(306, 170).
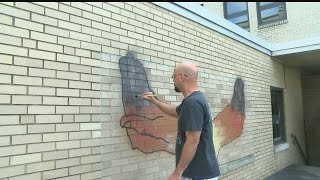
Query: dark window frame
point(241, 13)
point(269, 6)
point(278, 94)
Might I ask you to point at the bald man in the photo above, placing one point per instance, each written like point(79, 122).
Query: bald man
point(195, 155)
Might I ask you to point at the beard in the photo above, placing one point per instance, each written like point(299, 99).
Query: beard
point(176, 89)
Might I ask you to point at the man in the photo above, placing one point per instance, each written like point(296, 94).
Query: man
point(195, 155)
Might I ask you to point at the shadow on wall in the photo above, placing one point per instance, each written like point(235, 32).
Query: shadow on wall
point(150, 130)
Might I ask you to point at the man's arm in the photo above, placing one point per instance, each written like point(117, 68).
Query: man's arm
point(166, 108)
point(188, 151)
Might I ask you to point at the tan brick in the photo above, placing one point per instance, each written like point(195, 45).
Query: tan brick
point(5, 59)
point(79, 135)
point(28, 25)
point(55, 100)
point(79, 85)
point(30, 7)
point(70, 9)
point(76, 177)
point(41, 147)
point(68, 145)
point(52, 174)
point(50, 47)
point(29, 43)
point(4, 161)
point(15, 12)
point(55, 137)
point(35, 109)
point(27, 119)
point(69, 26)
point(11, 171)
point(90, 94)
point(45, 128)
point(12, 109)
point(68, 58)
point(28, 62)
point(68, 75)
point(68, 118)
point(26, 80)
point(9, 69)
point(68, 92)
point(10, 40)
point(56, 65)
point(67, 127)
point(12, 150)
point(4, 141)
point(80, 68)
point(42, 91)
point(6, 79)
point(79, 20)
point(26, 139)
point(5, 99)
point(91, 31)
point(42, 54)
point(55, 83)
point(55, 155)
point(24, 159)
point(56, 31)
point(27, 177)
point(26, 100)
point(6, 120)
point(68, 50)
point(67, 162)
point(102, 12)
point(90, 78)
point(78, 169)
point(79, 101)
point(69, 42)
point(57, 14)
point(38, 167)
point(67, 110)
point(89, 110)
point(6, 19)
point(53, 5)
point(80, 36)
point(48, 118)
point(41, 72)
point(6, 49)
point(90, 142)
point(44, 19)
point(43, 37)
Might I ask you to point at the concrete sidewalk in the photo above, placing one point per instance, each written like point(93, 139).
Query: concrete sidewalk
point(295, 172)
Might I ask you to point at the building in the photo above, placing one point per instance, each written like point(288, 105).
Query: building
point(66, 111)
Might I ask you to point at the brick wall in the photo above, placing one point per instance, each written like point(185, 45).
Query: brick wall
point(50, 68)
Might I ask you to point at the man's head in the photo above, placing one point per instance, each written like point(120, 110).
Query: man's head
point(185, 76)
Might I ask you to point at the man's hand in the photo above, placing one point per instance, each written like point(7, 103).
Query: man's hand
point(175, 176)
point(149, 96)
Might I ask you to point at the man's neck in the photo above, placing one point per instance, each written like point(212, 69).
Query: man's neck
point(189, 91)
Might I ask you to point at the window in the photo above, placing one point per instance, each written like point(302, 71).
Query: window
point(237, 12)
point(278, 124)
point(271, 12)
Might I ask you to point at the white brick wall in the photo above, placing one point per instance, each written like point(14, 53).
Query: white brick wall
point(50, 88)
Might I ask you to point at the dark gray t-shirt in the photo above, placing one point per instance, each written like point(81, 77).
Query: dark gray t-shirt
point(194, 115)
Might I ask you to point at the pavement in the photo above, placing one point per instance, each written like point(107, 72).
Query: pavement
point(297, 172)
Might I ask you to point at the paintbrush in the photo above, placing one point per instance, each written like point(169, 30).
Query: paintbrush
point(147, 95)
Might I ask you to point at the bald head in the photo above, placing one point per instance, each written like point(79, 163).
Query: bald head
point(188, 68)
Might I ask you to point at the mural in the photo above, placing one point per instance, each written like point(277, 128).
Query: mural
point(150, 130)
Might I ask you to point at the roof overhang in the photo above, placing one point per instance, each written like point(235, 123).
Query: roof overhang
point(300, 53)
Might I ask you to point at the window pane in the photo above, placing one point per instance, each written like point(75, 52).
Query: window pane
point(271, 12)
point(239, 19)
point(234, 7)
